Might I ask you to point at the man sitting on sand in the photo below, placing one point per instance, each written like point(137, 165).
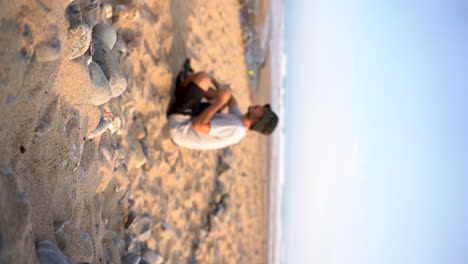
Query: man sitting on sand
point(198, 125)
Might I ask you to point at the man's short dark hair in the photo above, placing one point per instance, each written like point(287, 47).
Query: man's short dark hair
point(267, 123)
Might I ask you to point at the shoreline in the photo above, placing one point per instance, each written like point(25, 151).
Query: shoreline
point(269, 90)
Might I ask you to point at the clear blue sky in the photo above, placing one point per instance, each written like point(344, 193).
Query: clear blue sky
point(376, 132)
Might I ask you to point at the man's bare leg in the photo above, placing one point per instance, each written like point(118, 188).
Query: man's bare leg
point(205, 82)
point(195, 77)
point(211, 94)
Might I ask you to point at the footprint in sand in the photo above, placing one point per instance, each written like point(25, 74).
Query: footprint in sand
point(48, 51)
point(48, 118)
point(87, 157)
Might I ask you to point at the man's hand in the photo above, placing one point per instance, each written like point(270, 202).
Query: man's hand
point(232, 102)
point(202, 123)
point(224, 94)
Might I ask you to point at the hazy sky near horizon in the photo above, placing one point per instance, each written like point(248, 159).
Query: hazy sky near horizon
point(376, 132)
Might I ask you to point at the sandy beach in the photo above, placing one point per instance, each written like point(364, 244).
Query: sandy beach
point(124, 193)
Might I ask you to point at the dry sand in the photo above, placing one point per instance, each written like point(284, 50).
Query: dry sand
point(132, 190)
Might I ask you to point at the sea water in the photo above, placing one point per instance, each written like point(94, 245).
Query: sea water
point(265, 54)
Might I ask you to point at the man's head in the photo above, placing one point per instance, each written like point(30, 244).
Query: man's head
point(264, 120)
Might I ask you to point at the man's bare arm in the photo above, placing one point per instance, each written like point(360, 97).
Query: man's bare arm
point(202, 122)
point(232, 103)
point(211, 94)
